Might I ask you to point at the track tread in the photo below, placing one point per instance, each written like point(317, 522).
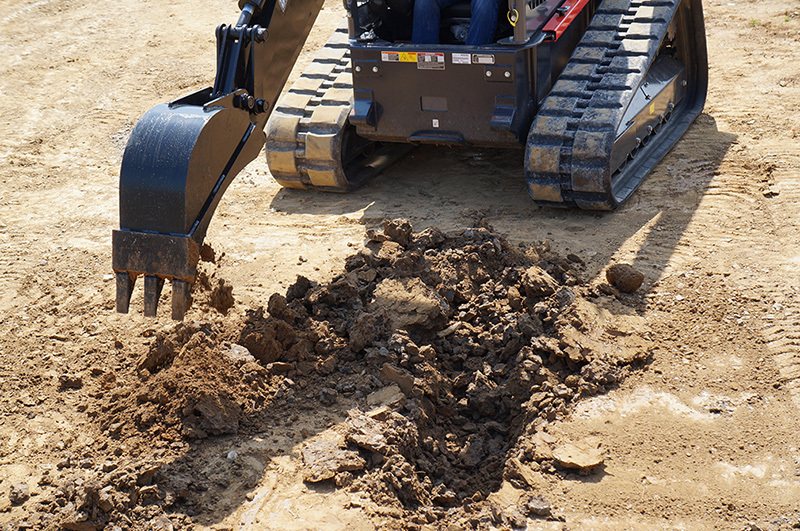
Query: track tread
point(302, 132)
point(306, 133)
point(596, 87)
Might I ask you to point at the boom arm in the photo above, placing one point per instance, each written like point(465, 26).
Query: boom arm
point(182, 156)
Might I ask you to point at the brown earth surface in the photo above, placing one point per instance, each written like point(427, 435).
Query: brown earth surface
point(482, 375)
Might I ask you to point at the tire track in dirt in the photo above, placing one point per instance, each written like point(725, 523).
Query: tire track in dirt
point(12, 17)
point(782, 317)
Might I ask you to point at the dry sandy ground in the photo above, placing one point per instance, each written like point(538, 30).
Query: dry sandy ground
point(703, 437)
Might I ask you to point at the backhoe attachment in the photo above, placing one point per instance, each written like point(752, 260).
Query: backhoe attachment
point(182, 156)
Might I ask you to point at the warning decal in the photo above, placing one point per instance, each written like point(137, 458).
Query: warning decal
point(424, 60)
point(430, 61)
point(399, 57)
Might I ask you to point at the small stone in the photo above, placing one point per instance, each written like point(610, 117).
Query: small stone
point(624, 277)
point(539, 506)
point(238, 354)
point(19, 493)
point(105, 500)
point(536, 282)
point(403, 378)
point(514, 298)
point(366, 432)
point(161, 523)
point(575, 259)
point(280, 366)
point(562, 391)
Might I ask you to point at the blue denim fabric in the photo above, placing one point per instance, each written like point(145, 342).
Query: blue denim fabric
point(427, 15)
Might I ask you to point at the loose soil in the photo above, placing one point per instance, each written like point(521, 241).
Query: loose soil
point(471, 364)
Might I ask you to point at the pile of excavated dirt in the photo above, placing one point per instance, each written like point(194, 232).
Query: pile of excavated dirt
point(448, 353)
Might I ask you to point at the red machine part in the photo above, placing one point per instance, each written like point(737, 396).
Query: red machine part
point(563, 18)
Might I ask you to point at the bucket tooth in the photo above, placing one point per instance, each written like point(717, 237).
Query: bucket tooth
point(152, 291)
point(180, 298)
point(125, 283)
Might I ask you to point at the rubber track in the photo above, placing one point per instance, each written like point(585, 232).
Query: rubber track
point(304, 131)
point(571, 140)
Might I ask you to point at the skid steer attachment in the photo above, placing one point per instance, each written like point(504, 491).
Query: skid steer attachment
point(182, 156)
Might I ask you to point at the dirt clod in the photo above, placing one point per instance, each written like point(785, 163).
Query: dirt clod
point(70, 381)
point(538, 506)
point(325, 459)
point(19, 493)
point(583, 456)
point(624, 277)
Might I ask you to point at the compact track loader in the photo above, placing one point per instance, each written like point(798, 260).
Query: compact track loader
point(596, 91)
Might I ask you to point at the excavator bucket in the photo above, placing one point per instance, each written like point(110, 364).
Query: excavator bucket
point(182, 156)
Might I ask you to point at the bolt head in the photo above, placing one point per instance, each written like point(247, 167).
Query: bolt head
point(375, 69)
point(358, 69)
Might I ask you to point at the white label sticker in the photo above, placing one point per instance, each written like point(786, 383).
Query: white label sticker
point(483, 59)
point(462, 59)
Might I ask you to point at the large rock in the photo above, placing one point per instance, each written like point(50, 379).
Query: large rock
point(583, 456)
point(409, 302)
point(536, 282)
point(324, 459)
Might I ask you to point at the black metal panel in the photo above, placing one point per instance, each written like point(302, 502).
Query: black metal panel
point(444, 95)
point(664, 87)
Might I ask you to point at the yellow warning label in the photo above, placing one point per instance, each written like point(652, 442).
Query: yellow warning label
point(408, 57)
point(652, 107)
